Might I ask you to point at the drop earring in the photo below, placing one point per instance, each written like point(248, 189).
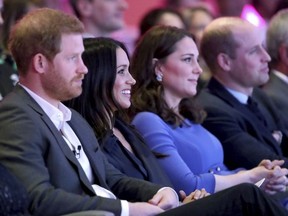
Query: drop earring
point(159, 77)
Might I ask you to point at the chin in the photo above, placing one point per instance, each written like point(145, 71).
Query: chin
point(125, 105)
point(192, 93)
point(74, 94)
point(263, 81)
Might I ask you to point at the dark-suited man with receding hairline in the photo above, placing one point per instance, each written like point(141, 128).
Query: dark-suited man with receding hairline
point(239, 114)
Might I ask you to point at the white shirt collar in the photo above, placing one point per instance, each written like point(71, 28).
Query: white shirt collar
point(87, 35)
point(242, 98)
point(57, 116)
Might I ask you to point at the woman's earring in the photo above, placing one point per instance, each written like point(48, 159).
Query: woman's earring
point(159, 77)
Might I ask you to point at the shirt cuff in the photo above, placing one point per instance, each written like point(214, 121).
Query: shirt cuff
point(125, 208)
point(176, 195)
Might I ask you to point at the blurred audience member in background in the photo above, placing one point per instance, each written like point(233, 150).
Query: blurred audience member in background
point(266, 8)
point(161, 16)
point(197, 18)
point(230, 8)
point(283, 4)
point(257, 12)
point(12, 10)
point(277, 47)
point(179, 4)
point(100, 17)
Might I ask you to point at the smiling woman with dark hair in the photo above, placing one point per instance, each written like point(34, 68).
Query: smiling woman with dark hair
point(106, 93)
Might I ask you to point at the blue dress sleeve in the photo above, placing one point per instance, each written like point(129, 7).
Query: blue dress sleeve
point(159, 138)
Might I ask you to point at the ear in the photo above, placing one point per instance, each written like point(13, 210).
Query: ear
point(224, 61)
point(158, 69)
point(85, 8)
point(40, 63)
point(283, 53)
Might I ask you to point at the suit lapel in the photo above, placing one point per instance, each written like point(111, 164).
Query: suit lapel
point(90, 147)
point(69, 154)
point(56, 134)
point(218, 90)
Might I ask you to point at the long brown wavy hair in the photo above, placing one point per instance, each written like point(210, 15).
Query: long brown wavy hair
point(159, 42)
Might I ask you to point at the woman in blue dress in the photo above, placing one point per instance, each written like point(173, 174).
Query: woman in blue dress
point(165, 66)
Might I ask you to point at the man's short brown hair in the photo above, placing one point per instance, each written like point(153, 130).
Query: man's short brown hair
point(219, 38)
point(40, 31)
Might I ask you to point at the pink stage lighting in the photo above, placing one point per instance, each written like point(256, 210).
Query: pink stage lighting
point(250, 14)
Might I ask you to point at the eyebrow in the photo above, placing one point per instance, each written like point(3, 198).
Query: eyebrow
point(123, 65)
point(189, 54)
point(258, 46)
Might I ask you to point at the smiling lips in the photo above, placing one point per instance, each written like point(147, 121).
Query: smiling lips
point(126, 92)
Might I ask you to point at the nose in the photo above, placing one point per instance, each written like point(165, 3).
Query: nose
point(82, 67)
point(131, 80)
point(197, 69)
point(266, 56)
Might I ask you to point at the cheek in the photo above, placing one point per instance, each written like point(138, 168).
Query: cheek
point(64, 68)
point(115, 93)
point(244, 65)
point(174, 70)
point(116, 90)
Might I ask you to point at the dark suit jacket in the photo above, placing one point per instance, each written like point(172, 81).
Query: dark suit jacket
point(33, 149)
point(142, 165)
point(277, 90)
point(246, 141)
